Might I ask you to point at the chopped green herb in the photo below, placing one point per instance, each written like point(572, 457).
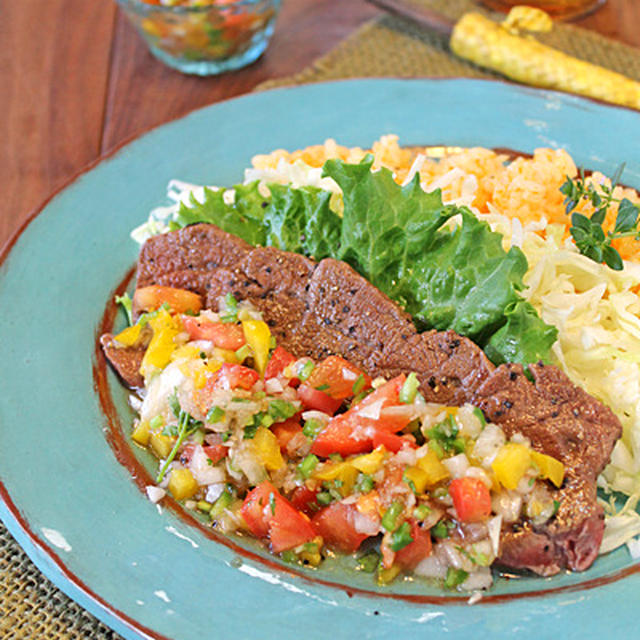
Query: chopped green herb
point(171, 430)
point(421, 511)
point(249, 432)
point(215, 414)
point(409, 389)
point(358, 385)
point(174, 404)
point(455, 577)
point(322, 387)
point(556, 506)
point(445, 436)
point(312, 428)
point(369, 561)
point(306, 370)
point(390, 518)
point(306, 467)
point(440, 530)
point(127, 304)
point(401, 537)
point(231, 309)
point(324, 498)
point(364, 483)
point(156, 422)
point(289, 556)
point(203, 355)
point(226, 435)
point(410, 482)
point(478, 414)
point(281, 410)
point(272, 503)
point(243, 352)
point(361, 396)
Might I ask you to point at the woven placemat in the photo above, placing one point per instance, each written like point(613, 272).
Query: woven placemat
point(30, 605)
point(394, 47)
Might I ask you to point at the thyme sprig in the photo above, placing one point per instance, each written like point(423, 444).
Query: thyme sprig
point(587, 232)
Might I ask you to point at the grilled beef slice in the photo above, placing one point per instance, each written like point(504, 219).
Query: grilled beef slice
point(319, 309)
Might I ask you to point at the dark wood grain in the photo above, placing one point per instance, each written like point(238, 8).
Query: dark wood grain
point(84, 82)
point(54, 69)
point(145, 93)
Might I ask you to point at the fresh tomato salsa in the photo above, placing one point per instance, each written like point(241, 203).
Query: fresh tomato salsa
point(314, 458)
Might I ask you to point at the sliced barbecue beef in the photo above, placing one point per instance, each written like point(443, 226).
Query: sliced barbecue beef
point(318, 309)
point(567, 423)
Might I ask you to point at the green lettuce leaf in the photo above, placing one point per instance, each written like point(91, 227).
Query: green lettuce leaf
point(243, 218)
point(404, 241)
point(447, 277)
point(524, 338)
point(300, 220)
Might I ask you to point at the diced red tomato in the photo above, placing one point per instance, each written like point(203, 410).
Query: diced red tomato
point(471, 498)
point(215, 452)
point(284, 431)
point(154, 296)
point(335, 524)
point(303, 499)
point(280, 359)
point(353, 431)
point(268, 514)
point(410, 556)
point(221, 334)
point(232, 376)
point(391, 441)
point(317, 400)
point(339, 376)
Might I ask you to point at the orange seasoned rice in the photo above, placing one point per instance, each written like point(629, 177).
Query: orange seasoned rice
point(527, 187)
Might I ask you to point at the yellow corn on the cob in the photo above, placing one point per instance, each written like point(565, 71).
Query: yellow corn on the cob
point(495, 46)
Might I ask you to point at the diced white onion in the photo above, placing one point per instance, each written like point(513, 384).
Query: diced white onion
point(155, 494)
point(456, 465)
point(372, 410)
point(273, 385)
point(494, 526)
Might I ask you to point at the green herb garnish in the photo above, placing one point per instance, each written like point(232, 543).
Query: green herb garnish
point(187, 425)
point(455, 577)
point(587, 232)
point(127, 304)
point(306, 467)
point(401, 537)
point(390, 518)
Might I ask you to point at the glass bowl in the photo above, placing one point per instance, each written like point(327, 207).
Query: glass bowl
point(204, 37)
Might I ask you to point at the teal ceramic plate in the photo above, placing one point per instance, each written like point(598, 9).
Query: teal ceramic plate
point(73, 505)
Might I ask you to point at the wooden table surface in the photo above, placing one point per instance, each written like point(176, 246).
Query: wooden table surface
point(77, 81)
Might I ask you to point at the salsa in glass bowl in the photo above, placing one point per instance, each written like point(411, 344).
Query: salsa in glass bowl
point(204, 37)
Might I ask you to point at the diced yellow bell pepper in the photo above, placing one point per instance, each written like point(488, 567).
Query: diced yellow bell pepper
point(386, 576)
point(141, 433)
point(267, 449)
point(419, 477)
point(225, 355)
point(182, 484)
point(186, 351)
point(435, 470)
point(258, 337)
point(550, 468)
point(370, 462)
point(511, 463)
point(343, 472)
point(162, 345)
point(161, 445)
point(129, 336)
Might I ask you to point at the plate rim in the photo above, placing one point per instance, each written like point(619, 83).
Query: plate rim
point(48, 561)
